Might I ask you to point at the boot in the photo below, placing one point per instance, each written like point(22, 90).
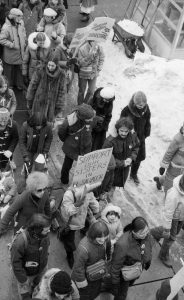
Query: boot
point(135, 178)
point(164, 253)
point(158, 184)
point(70, 259)
point(134, 169)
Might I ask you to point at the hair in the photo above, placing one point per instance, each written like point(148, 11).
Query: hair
point(133, 226)
point(38, 221)
point(37, 119)
point(40, 37)
point(35, 179)
point(97, 230)
point(126, 122)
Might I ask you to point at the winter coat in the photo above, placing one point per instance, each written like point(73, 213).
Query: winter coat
point(35, 57)
point(142, 125)
point(26, 139)
point(4, 10)
point(9, 137)
point(88, 253)
point(115, 229)
point(31, 259)
point(43, 292)
point(76, 137)
point(122, 149)
point(174, 204)
point(13, 38)
point(49, 28)
point(7, 186)
point(103, 115)
point(174, 155)
point(25, 206)
point(8, 100)
point(47, 92)
point(79, 213)
point(60, 9)
point(127, 251)
point(31, 15)
point(90, 60)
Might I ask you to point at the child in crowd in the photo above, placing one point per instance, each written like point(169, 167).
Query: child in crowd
point(111, 215)
point(7, 96)
point(59, 8)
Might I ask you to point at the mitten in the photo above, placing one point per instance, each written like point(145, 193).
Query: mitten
point(161, 171)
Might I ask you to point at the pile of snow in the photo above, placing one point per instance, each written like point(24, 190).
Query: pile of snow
point(131, 27)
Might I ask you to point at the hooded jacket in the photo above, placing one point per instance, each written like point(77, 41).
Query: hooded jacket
point(115, 229)
point(35, 57)
point(175, 152)
point(42, 291)
point(174, 204)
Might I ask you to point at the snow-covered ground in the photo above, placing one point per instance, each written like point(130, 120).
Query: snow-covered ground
point(163, 83)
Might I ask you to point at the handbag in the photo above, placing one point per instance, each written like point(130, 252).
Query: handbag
point(96, 271)
point(131, 272)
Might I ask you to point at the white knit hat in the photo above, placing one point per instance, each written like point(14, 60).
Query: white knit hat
point(107, 93)
point(15, 12)
point(49, 12)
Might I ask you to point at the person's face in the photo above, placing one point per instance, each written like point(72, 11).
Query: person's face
point(3, 88)
point(140, 104)
point(3, 124)
point(101, 240)
point(48, 19)
point(88, 121)
point(51, 66)
point(112, 218)
point(63, 297)
point(39, 191)
point(18, 19)
point(55, 2)
point(123, 132)
point(40, 44)
point(141, 234)
point(45, 230)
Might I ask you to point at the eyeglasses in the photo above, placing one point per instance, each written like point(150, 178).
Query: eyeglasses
point(41, 190)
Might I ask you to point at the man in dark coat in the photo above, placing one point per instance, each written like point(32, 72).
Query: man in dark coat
point(75, 133)
point(102, 103)
point(138, 110)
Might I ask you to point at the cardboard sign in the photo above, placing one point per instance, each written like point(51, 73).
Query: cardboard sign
point(91, 168)
point(79, 37)
point(177, 282)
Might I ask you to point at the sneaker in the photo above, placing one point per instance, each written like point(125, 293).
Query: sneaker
point(135, 178)
point(158, 184)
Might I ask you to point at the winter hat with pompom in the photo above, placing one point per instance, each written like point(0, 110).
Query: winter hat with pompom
point(61, 283)
point(107, 93)
point(85, 112)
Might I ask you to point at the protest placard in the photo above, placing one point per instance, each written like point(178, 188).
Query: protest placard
point(176, 283)
point(79, 37)
point(91, 168)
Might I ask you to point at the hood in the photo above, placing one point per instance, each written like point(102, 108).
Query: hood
point(176, 185)
point(56, 73)
point(44, 287)
point(107, 209)
point(134, 110)
point(33, 46)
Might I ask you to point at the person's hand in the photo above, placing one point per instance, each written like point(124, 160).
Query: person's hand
point(8, 153)
point(54, 35)
point(161, 171)
point(7, 198)
point(72, 61)
point(25, 80)
point(128, 162)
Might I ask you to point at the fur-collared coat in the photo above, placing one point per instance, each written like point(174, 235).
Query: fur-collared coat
point(43, 292)
point(35, 57)
point(13, 38)
point(47, 92)
point(31, 16)
point(142, 125)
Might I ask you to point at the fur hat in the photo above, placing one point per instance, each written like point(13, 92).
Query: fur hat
point(61, 283)
point(139, 97)
point(109, 208)
point(4, 114)
point(49, 12)
point(107, 93)
point(85, 112)
point(15, 12)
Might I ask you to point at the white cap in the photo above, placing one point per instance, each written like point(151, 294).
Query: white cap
point(107, 93)
point(15, 12)
point(40, 159)
point(49, 12)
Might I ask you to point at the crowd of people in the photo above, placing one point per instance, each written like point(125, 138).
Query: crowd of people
point(36, 58)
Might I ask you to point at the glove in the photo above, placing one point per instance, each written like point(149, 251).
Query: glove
point(72, 61)
point(161, 171)
point(120, 163)
point(8, 153)
point(128, 162)
point(25, 80)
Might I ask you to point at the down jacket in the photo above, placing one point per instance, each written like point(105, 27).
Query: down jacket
point(127, 251)
point(13, 38)
point(174, 204)
point(142, 125)
point(34, 56)
point(76, 137)
point(175, 152)
point(79, 213)
point(43, 291)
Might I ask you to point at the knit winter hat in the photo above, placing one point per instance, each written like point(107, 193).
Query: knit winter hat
point(107, 93)
point(15, 12)
point(61, 283)
point(139, 98)
point(85, 112)
point(49, 12)
point(4, 114)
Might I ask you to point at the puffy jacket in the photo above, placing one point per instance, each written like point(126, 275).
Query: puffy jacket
point(174, 204)
point(127, 252)
point(76, 137)
point(29, 258)
point(175, 152)
point(79, 213)
point(42, 291)
point(13, 38)
point(88, 253)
